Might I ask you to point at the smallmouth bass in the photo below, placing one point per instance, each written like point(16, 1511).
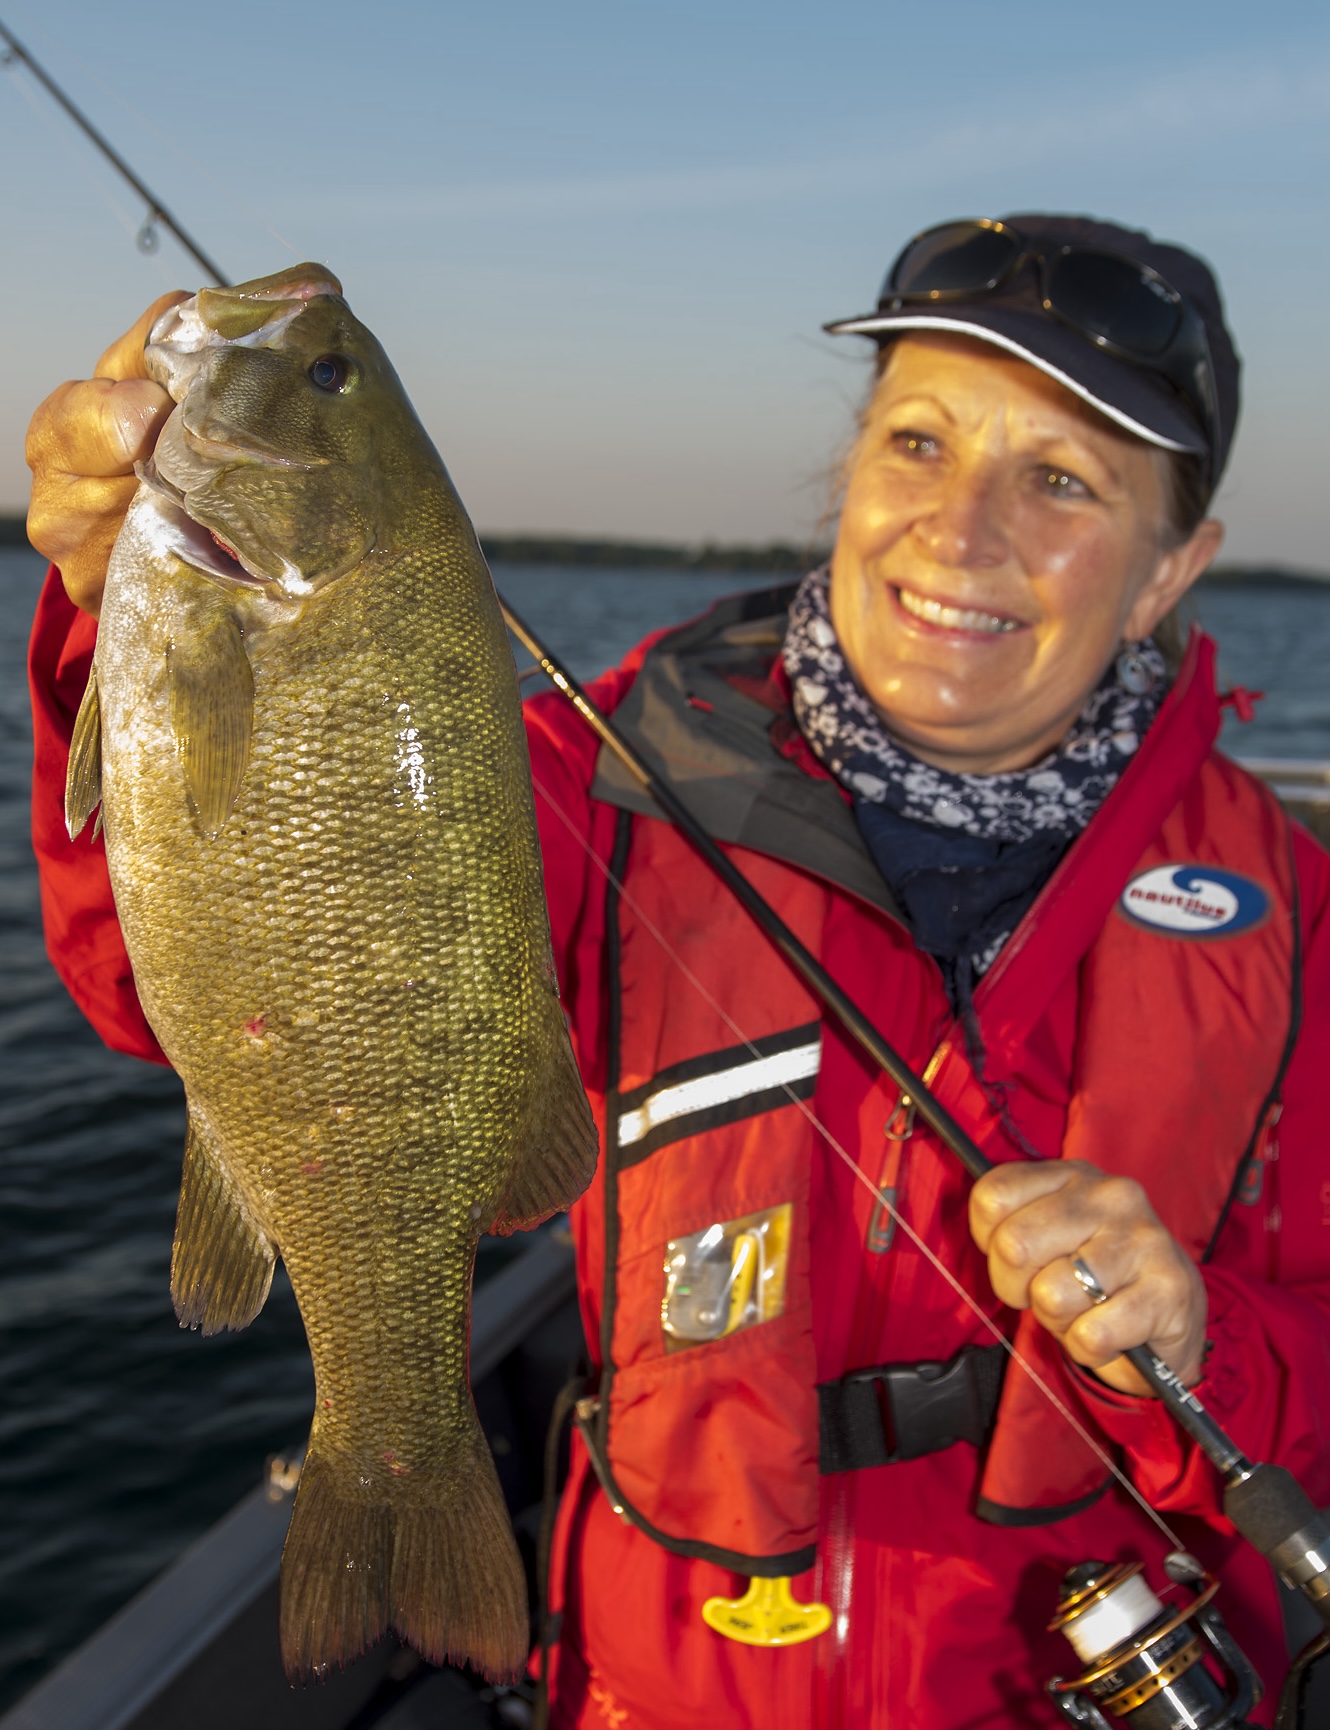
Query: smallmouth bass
point(304, 733)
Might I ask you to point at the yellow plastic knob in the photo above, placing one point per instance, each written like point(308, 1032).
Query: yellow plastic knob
point(766, 1615)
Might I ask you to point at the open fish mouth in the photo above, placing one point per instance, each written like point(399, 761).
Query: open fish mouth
point(193, 542)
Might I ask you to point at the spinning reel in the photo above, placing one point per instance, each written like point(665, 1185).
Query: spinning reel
point(1144, 1659)
point(1153, 1665)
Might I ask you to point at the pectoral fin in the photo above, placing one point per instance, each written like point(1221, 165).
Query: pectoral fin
point(222, 1260)
point(212, 714)
point(83, 784)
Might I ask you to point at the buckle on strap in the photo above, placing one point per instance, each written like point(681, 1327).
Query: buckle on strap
point(892, 1412)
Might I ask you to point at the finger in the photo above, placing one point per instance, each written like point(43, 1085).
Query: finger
point(63, 515)
point(1058, 1298)
point(1141, 1314)
point(1006, 1188)
point(1058, 1224)
point(1161, 1304)
point(1105, 1331)
point(75, 525)
point(96, 427)
point(124, 359)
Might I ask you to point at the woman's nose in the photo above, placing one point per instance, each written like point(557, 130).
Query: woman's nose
point(963, 528)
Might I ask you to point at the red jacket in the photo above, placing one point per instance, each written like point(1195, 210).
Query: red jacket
point(943, 1613)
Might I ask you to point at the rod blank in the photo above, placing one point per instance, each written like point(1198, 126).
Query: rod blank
point(157, 211)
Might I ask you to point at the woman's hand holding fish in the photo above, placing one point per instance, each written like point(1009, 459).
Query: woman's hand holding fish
point(1033, 1220)
point(82, 445)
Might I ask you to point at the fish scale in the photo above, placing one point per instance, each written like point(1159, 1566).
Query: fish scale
point(321, 836)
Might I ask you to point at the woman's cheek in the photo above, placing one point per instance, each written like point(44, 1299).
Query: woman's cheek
point(871, 525)
point(1083, 588)
point(1057, 541)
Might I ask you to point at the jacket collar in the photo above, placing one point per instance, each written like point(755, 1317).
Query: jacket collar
point(703, 711)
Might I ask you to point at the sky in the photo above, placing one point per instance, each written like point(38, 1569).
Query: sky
point(599, 239)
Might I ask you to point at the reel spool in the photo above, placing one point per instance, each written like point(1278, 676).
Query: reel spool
point(1143, 1658)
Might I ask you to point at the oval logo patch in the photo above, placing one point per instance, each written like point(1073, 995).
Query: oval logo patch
point(1194, 901)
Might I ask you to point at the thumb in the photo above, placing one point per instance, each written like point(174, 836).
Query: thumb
point(124, 358)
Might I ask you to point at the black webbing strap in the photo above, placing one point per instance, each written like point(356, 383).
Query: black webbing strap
point(892, 1412)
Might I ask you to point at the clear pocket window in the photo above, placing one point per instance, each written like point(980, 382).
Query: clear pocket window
point(727, 1277)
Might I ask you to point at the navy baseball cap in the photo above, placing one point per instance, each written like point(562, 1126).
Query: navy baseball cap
point(1068, 291)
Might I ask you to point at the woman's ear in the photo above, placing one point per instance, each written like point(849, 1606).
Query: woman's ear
point(1172, 576)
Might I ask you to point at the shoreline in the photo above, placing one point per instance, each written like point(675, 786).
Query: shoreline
point(594, 552)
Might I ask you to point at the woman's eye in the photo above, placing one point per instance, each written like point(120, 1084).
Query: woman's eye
point(914, 444)
point(330, 372)
point(1062, 484)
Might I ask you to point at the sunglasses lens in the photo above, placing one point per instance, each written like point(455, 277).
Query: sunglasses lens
point(960, 256)
point(1115, 299)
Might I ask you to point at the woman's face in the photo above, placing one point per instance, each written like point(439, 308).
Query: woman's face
point(998, 541)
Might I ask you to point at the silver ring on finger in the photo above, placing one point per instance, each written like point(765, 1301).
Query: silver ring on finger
point(1088, 1283)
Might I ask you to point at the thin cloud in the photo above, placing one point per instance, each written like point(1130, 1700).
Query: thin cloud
point(1210, 104)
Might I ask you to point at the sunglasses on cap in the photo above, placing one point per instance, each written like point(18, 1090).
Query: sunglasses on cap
point(1123, 307)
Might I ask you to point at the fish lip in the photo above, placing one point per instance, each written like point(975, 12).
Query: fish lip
point(193, 542)
point(222, 451)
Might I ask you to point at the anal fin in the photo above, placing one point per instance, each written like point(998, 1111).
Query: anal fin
point(221, 1261)
point(83, 784)
point(556, 1154)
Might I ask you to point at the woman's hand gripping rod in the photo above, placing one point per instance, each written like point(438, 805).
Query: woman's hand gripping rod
point(1265, 1503)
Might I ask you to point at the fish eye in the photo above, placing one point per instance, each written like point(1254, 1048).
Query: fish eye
point(330, 372)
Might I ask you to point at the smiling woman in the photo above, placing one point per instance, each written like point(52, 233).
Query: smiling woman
point(958, 765)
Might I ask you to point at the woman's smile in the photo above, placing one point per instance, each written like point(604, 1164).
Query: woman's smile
point(949, 618)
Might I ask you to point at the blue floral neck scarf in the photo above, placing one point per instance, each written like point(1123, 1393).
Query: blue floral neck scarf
point(964, 855)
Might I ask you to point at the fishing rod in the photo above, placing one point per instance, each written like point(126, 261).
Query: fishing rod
point(1265, 1503)
point(146, 239)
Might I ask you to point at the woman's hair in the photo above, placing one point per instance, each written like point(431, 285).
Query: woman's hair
point(1187, 498)
point(1189, 495)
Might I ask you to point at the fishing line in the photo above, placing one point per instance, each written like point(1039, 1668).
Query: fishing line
point(167, 139)
point(1054, 1399)
point(78, 158)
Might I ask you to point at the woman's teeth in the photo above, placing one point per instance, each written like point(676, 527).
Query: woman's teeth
point(954, 618)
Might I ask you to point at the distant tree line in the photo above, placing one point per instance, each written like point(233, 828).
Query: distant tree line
point(1263, 577)
point(779, 557)
point(649, 555)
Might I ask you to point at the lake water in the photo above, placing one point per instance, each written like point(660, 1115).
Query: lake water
point(121, 1437)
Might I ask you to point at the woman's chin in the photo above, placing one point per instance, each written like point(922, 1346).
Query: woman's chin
point(985, 706)
point(968, 731)
point(929, 698)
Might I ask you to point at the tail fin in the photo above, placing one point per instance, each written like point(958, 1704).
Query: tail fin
point(431, 1557)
